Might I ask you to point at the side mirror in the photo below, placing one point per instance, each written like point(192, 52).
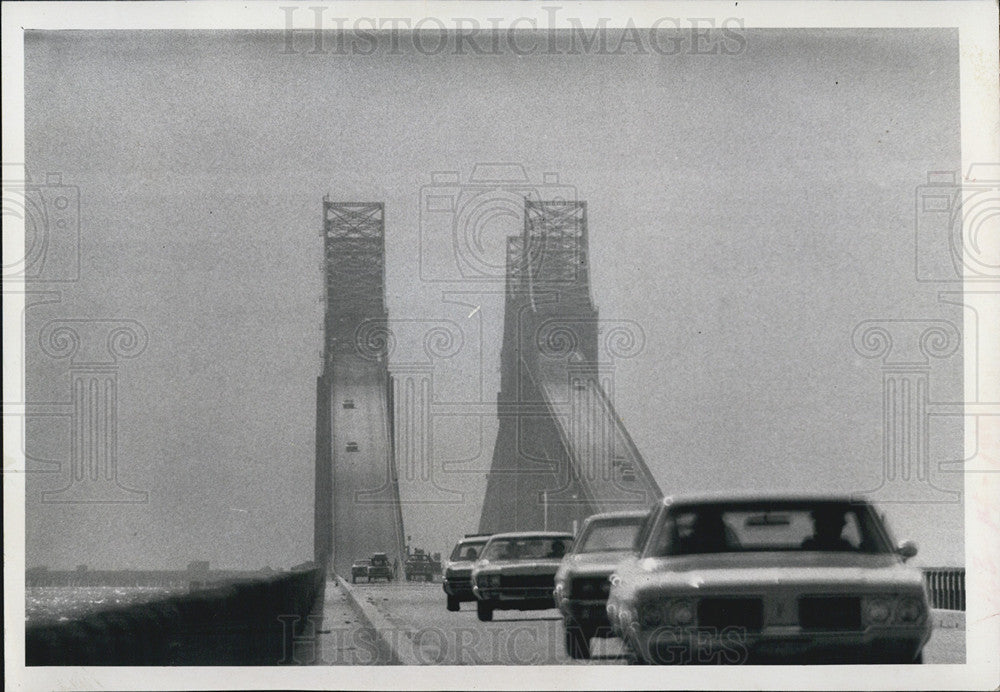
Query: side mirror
point(906, 550)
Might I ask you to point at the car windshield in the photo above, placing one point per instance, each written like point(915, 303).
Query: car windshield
point(533, 548)
point(609, 535)
point(467, 550)
point(821, 526)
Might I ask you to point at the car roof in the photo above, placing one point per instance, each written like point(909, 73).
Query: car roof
point(475, 539)
point(532, 534)
point(624, 514)
point(757, 496)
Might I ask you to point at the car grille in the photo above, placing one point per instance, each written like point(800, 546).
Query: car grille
point(460, 582)
point(830, 613)
point(745, 613)
point(590, 588)
point(528, 581)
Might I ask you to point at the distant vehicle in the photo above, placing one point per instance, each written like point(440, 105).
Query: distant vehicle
point(360, 569)
point(458, 570)
point(581, 584)
point(516, 571)
point(419, 566)
point(800, 579)
point(379, 567)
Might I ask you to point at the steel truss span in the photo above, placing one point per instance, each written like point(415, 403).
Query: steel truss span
point(561, 453)
point(357, 491)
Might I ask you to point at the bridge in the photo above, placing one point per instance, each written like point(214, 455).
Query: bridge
point(357, 507)
point(561, 453)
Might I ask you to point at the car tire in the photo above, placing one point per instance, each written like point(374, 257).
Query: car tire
point(632, 654)
point(484, 611)
point(577, 641)
point(454, 605)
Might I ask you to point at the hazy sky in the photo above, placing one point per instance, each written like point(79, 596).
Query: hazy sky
point(746, 211)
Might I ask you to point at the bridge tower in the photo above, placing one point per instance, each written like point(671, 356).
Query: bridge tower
point(357, 508)
point(561, 451)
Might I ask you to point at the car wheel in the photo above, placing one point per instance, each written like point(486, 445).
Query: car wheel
point(485, 611)
point(577, 641)
point(632, 654)
point(453, 604)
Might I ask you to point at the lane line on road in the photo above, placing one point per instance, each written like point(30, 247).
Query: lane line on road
point(392, 637)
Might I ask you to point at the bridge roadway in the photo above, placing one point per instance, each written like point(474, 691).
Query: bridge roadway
point(412, 617)
point(366, 511)
point(613, 474)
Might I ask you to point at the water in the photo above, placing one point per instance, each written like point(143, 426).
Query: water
point(48, 603)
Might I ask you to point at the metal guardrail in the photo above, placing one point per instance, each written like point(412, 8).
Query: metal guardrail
point(946, 587)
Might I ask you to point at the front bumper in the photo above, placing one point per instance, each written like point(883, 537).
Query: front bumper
point(529, 598)
point(590, 612)
point(734, 645)
point(459, 588)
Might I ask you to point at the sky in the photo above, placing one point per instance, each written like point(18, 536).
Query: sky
point(746, 212)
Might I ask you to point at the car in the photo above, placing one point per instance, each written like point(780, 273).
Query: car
point(516, 571)
point(360, 569)
point(769, 578)
point(458, 570)
point(379, 567)
point(419, 566)
point(582, 581)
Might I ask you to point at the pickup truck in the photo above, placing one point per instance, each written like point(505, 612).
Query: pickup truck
point(380, 568)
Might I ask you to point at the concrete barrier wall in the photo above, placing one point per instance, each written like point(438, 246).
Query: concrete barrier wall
point(244, 623)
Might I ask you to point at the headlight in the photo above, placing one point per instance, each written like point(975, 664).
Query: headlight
point(877, 610)
point(893, 608)
point(651, 614)
point(910, 610)
point(675, 612)
point(681, 612)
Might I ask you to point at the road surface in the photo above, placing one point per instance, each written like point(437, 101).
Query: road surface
point(416, 616)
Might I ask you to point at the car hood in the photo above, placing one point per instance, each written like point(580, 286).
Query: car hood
point(461, 568)
point(526, 567)
point(747, 570)
point(604, 559)
point(592, 564)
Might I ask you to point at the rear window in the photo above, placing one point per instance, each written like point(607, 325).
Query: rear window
point(467, 550)
point(609, 535)
point(534, 548)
